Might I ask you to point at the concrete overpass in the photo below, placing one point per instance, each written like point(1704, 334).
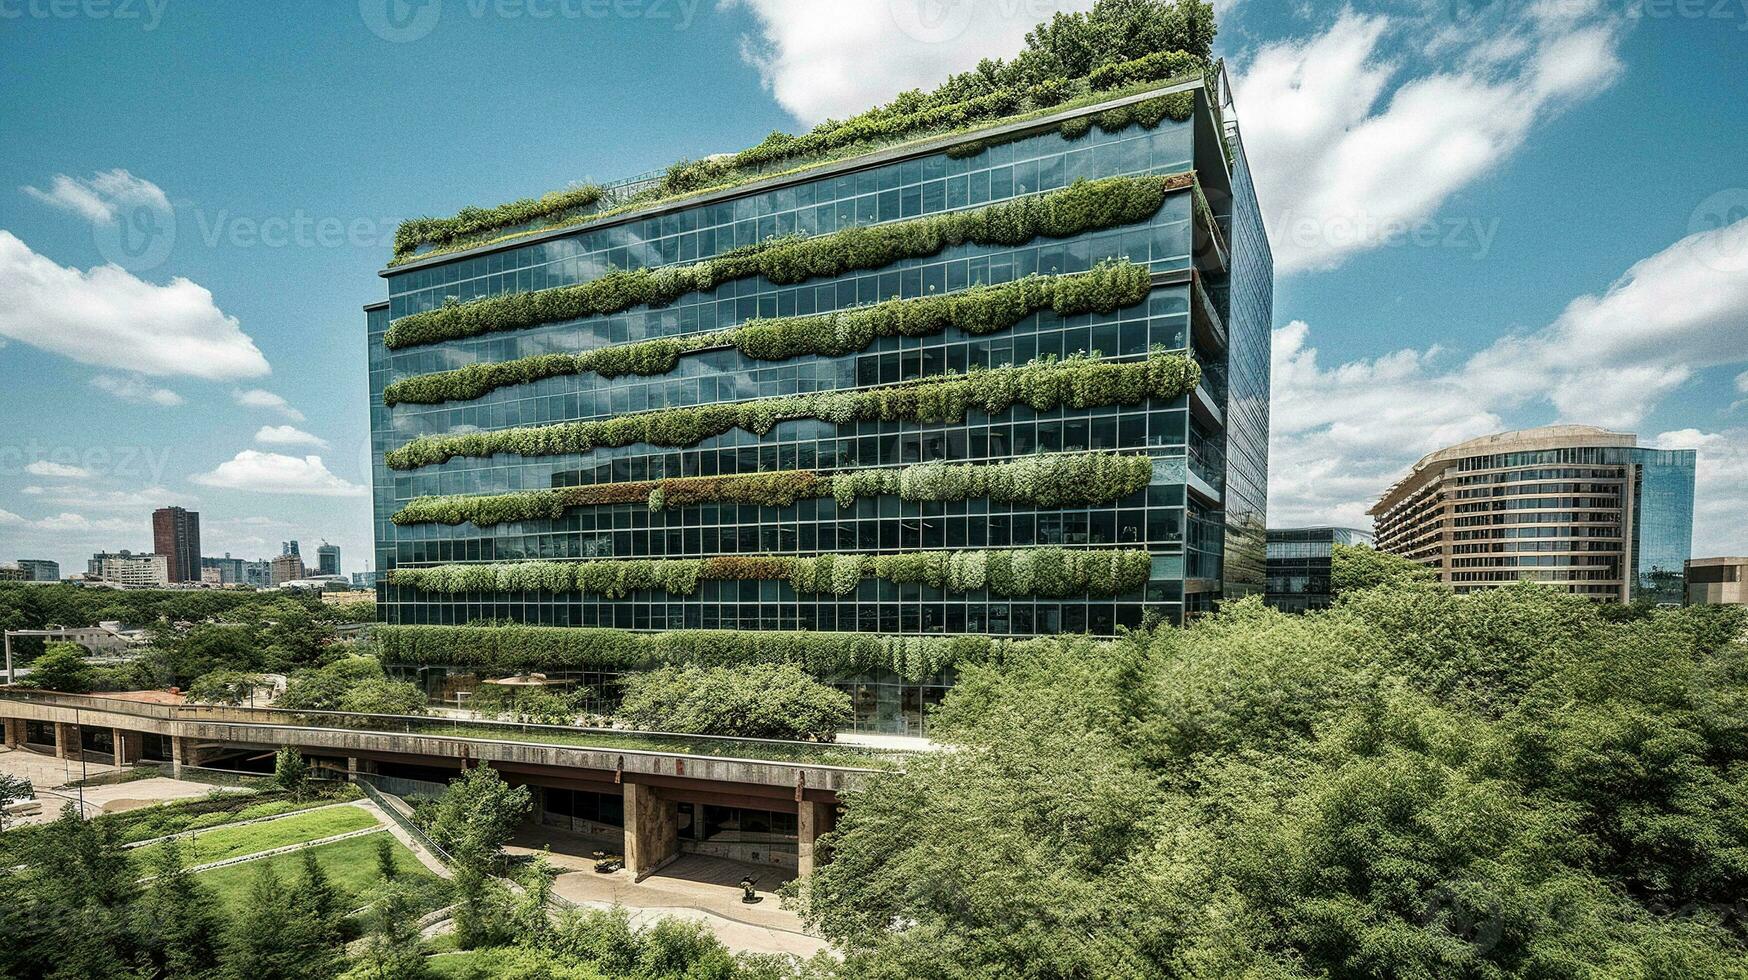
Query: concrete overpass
point(654, 776)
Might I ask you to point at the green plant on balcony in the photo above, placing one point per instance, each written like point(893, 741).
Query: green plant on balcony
point(1086, 205)
point(980, 309)
point(1042, 385)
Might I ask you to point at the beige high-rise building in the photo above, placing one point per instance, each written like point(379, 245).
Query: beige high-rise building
point(1572, 506)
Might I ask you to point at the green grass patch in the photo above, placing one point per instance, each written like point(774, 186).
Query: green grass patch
point(350, 865)
point(230, 842)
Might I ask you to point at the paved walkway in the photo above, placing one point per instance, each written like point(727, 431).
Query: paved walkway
point(695, 887)
point(50, 776)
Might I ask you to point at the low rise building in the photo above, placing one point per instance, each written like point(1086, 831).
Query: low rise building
point(1299, 564)
point(1717, 581)
point(127, 568)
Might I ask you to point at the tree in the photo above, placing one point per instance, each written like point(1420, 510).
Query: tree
point(62, 667)
point(386, 867)
point(1416, 783)
point(753, 701)
point(482, 910)
point(223, 687)
point(476, 814)
point(12, 788)
point(177, 920)
point(352, 683)
point(259, 946)
point(290, 772)
point(392, 946)
point(1354, 567)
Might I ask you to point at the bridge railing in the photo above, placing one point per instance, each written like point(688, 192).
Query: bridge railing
point(825, 754)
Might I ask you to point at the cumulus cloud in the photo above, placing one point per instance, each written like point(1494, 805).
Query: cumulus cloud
point(101, 197)
point(63, 471)
point(285, 435)
point(260, 472)
point(832, 60)
point(135, 390)
point(80, 496)
point(1344, 432)
point(1354, 140)
point(259, 398)
point(67, 523)
point(110, 318)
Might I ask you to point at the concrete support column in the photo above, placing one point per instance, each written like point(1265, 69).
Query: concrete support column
point(128, 746)
point(812, 820)
point(652, 830)
point(183, 752)
point(14, 732)
point(67, 741)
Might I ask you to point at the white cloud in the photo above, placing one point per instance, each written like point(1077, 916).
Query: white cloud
point(67, 523)
point(285, 435)
point(1344, 433)
point(8, 518)
point(834, 59)
point(110, 318)
point(260, 472)
point(100, 198)
point(258, 398)
point(135, 390)
point(79, 496)
point(1341, 167)
point(1720, 488)
point(43, 467)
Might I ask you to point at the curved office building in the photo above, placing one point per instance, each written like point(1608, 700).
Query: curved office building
point(1571, 506)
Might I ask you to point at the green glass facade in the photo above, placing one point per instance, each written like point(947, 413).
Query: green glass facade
point(1201, 518)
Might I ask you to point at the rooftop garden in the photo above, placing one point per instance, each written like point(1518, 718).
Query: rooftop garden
point(1118, 49)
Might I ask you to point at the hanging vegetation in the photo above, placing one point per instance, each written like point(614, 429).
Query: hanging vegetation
point(1041, 572)
point(1056, 480)
point(1085, 205)
point(1042, 385)
point(980, 309)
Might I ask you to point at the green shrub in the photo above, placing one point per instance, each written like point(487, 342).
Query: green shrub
point(1081, 207)
point(980, 309)
point(1154, 67)
point(1045, 572)
point(1129, 45)
point(471, 222)
point(1075, 382)
point(754, 701)
point(1056, 480)
point(512, 649)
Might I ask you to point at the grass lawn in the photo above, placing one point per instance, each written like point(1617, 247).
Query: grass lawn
point(230, 842)
point(350, 865)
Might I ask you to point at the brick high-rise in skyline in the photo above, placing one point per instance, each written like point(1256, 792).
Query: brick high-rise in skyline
point(176, 536)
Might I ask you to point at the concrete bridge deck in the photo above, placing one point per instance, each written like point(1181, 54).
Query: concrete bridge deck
point(653, 773)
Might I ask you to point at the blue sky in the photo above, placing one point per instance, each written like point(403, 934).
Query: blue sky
point(1486, 215)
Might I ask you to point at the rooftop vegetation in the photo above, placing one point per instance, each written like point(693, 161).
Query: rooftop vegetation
point(1073, 59)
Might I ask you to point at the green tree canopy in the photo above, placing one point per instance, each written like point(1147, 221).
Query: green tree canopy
point(751, 701)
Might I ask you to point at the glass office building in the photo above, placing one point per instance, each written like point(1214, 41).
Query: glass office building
point(1200, 519)
point(1299, 564)
point(1571, 506)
